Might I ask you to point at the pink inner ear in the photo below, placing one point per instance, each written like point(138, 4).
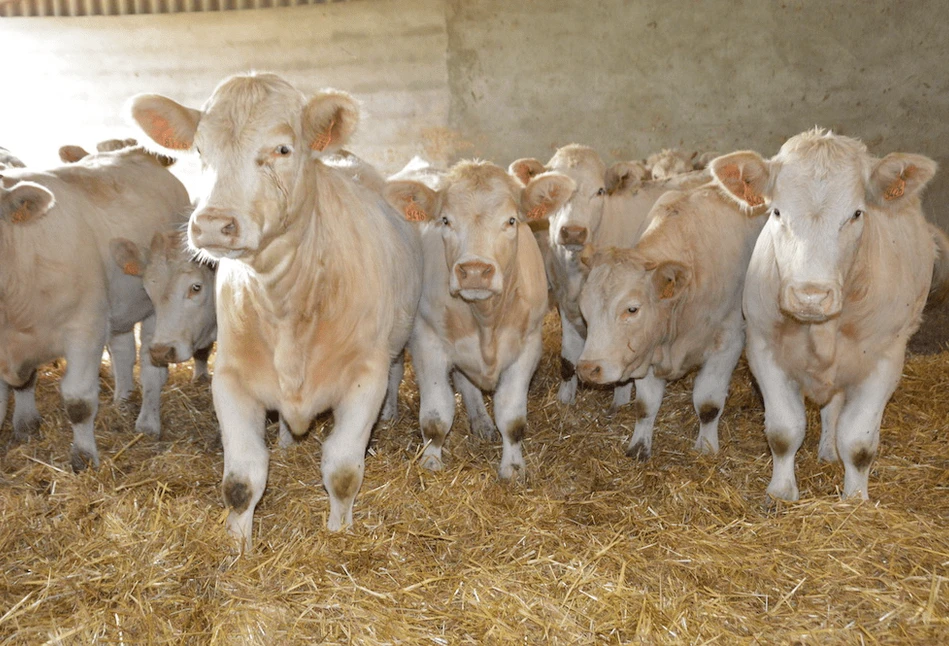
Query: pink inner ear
point(163, 133)
point(21, 214)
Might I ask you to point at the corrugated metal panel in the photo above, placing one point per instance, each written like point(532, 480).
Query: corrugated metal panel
point(76, 8)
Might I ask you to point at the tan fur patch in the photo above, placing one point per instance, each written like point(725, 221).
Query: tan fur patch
point(895, 190)
point(22, 214)
point(325, 138)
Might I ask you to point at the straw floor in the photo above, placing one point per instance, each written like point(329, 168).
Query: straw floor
point(593, 548)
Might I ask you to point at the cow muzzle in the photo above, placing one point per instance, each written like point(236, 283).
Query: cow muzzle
point(216, 231)
point(476, 280)
point(811, 302)
point(573, 237)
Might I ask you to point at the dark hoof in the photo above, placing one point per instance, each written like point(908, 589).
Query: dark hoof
point(24, 429)
point(485, 432)
point(638, 451)
point(81, 460)
point(201, 379)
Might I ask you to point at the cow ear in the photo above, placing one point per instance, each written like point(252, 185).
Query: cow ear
point(128, 256)
point(166, 122)
point(159, 246)
point(24, 202)
point(669, 279)
point(526, 169)
point(591, 257)
point(745, 176)
point(110, 145)
point(415, 201)
point(329, 120)
point(72, 154)
point(898, 176)
point(625, 176)
point(545, 194)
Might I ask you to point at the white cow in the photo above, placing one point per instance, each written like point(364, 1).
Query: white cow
point(318, 282)
point(483, 303)
point(608, 208)
point(671, 305)
point(835, 288)
point(62, 295)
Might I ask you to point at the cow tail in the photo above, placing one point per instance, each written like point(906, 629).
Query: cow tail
point(939, 290)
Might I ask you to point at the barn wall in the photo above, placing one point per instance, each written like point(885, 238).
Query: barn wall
point(502, 79)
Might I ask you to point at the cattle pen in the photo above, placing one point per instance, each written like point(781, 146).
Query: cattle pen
point(592, 548)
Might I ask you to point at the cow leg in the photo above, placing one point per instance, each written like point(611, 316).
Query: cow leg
point(4, 396)
point(344, 451)
point(858, 428)
point(285, 438)
point(122, 354)
point(784, 418)
point(711, 387)
point(479, 421)
point(200, 370)
point(436, 397)
point(246, 458)
point(621, 396)
point(80, 392)
point(649, 392)
point(26, 419)
point(829, 414)
point(510, 408)
point(571, 347)
point(153, 380)
point(391, 405)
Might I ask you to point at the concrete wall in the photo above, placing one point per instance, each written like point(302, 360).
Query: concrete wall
point(502, 79)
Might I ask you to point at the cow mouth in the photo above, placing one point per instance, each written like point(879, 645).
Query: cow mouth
point(572, 248)
point(475, 294)
point(218, 252)
point(808, 317)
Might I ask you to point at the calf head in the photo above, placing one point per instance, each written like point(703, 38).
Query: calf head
point(21, 202)
point(255, 136)
point(181, 290)
point(627, 302)
point(823, 190)
point(478, 211)
point(573, 224)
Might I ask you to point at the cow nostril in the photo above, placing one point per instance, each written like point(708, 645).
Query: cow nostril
point(230, 228)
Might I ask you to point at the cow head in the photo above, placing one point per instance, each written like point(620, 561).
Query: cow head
point(255, 135)
point(822, 189)
point(181, 290)
point(574, 223)
point(627, 303)
point(479, 211)
point(23, 201)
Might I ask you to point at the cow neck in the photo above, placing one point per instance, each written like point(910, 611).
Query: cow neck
point(491, 313)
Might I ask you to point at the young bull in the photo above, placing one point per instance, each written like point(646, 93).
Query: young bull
point(318, 279)
point(670, 305)
point(483, 300)
point(59, 250)
point(181, 289)
point(608, 208)
point(835, 288)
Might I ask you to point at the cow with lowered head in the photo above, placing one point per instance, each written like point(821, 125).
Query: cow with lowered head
point(318, 278)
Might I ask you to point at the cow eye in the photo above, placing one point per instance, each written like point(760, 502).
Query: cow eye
point(196, 288)
point(283, 150)
point(776, 213)
point(602, 191)
point(856, 215)
point(512, 221)
point(445, 220)
point(632, 309)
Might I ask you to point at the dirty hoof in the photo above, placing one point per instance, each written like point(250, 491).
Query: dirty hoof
point(432, 463)
point(638, 451)
point(24, 429)
point(80, 460)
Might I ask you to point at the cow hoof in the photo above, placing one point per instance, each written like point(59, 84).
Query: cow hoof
point(80, 459)
point(787, 493)
point(485, 430)
point(612, 410)
point(568, 393)
point(24, 429)
point(148, 428)
point(512, 472)
point(638, 451)
point(705, 447)
point(828, 455)
point(202, 378)
point(432, 463)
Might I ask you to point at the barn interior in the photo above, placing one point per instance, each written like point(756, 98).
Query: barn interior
point(592, 547)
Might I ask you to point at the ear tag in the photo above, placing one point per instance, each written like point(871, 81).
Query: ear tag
point(668, 289)
point(537, 212)
point(325, 138)
point(895, 190)
point(413, 213)
point(131, 268)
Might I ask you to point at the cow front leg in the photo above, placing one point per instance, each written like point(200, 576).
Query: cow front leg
point(391, 405)
point(200, 371)
point(829, 414)
point(26, 418)
point(784, 418)
point(246, 458)
point(4, 397)
point(649, 393)
point(80, 392)
point(858, 428)
point(510, 408)
point(711, 387)
point(122, 357)
point(479, 421)
point(153, 380)
point(436, 397)
point(344, 451)
point(622, 394)
point(571, 347)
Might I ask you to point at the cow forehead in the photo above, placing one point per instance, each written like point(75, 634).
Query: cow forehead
point(822, 168)
point(480, 192)
point(245, 109)
point(581, 164)
point(615, 281)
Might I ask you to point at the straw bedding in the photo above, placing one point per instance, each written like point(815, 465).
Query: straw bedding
point(592, 548)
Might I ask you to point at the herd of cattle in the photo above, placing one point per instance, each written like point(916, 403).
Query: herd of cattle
point(315, 274)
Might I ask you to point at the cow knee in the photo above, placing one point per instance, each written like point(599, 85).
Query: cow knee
point(434, 432)
point(781, 442)
point(515, 430)
point(708, 412)
point(78, 411)
point(237, 493)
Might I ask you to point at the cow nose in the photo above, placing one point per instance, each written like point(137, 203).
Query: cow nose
point(474, 274)
point(162, 355)
point(590, 371)
point(214, 225)
point(816, 301)
point(573, 235)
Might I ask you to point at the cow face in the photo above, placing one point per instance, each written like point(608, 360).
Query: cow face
point(573, 224)
point(479, 212)
point(627, 302)
point(181, 290)
point(21, 202)
point(255, 136)
point(822, 189)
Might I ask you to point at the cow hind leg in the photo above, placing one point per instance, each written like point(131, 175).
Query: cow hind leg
point(390, 406)
point(571, 347)
point(649, 393)
point(122, 357)
point(711, 389)
point(153, 380)
point(344, 451)
point(26, 418)
point(829, 415)
point(246, 458)
point(479, 421)
point(510, 409)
